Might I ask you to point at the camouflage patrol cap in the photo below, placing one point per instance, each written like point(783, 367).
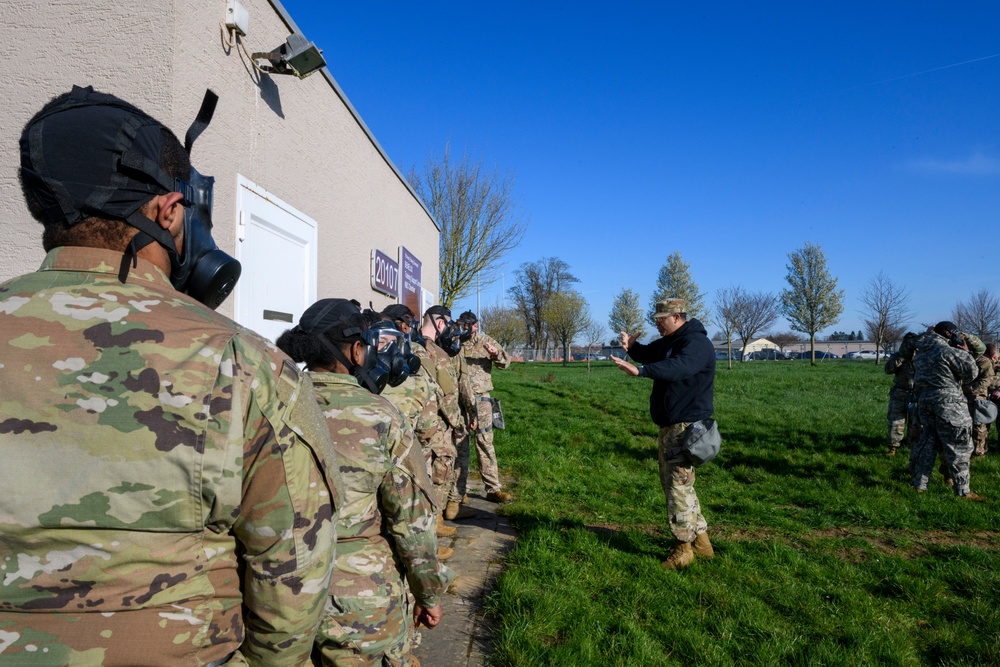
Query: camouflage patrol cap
point(669, 307)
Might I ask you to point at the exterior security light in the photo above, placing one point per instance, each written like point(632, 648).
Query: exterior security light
point(296, 56)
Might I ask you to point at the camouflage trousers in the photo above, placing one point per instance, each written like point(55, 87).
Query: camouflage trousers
point(486, 456)
point(945, 426)
point(980, 432)
point(442, 467)
point(677, 480)
point(901, 418)
point(365, 636)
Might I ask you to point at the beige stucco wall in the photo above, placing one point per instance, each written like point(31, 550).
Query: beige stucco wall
point(298, 139)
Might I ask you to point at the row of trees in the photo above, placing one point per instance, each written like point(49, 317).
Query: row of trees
point(811, 302)
point(481, 222)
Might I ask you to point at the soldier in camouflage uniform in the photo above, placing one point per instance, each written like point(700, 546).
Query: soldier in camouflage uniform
point(682, 367)
point(979, 390)
point(162, 502)
point(386, 523)
point(437, 330)
point(901, 418)
point(455, 510)
point(940, 371)
point(481, 353)
point(417, 397)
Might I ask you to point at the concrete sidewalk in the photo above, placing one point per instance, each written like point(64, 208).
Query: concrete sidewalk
point(462, 639)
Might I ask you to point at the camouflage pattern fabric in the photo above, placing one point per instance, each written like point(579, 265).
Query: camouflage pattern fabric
point(386, 526)
point(677, 480)
point(480, 365)
point(481, 362)
point(417, 399)
point(901, 396)
point(467, 404)
point(979, 389)
point(153, 451)
point(899, 401)
point(944, 413)
point(443, 452)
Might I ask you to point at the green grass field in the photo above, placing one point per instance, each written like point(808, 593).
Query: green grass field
point(824, 553)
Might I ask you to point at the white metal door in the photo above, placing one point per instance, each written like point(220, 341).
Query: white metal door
point(277, 246)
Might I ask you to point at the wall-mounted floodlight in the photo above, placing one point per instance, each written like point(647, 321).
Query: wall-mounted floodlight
point(296, 56)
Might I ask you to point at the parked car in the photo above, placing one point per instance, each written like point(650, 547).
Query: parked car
point(861, 354)
point(819, 355)
point(723, 356)
point(766, 355)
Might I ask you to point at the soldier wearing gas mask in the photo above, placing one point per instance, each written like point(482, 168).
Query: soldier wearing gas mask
point(418, 399)
point(167, 471)
point(440, 335)
point(386, 525)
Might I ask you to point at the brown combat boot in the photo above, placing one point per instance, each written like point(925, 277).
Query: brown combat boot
point(443, 529)
point(456, 511)
point(702, 546)
point(499, 496)
point(973, 496)
point(680, 557)
point(444, 553)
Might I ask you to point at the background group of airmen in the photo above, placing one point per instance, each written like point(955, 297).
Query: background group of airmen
point(943, 383)
point(176, 489)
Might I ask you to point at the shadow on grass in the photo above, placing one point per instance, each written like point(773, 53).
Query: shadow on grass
point(647, 541)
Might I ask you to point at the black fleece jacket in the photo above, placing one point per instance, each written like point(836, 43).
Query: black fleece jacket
point(682, 366)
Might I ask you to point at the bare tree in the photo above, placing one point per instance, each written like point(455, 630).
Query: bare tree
point(980, 315)
point(594, 335)
point(894, 335)
point(504, 324)
point(728, 302)
point(812, 301)
point(566, 315)
point(754, 312)
point(534, 285)
point(887, 307)
point(675, 282)
point(626, 315)
point(784, 338)
point(479, 219)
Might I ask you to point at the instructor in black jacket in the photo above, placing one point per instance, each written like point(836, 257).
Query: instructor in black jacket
point(682, 367)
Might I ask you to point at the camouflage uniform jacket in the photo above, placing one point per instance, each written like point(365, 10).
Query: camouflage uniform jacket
point(902, 371)
point(941, 370)
point(388, 506)
point(445, 374)
point(153, 451)
point(980, 387)
point(417, 399)
point(466, 396)
point(481, 362)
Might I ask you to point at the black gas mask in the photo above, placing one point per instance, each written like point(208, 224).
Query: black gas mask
point(450, 338)
point(367, 373)
point(202, 271)
point(466, 330)
point(394, 362)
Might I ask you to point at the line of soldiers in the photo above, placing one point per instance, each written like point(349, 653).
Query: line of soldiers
point(176, 490)
point(943, 383)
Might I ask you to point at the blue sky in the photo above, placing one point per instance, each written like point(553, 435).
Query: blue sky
point(733, 132)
